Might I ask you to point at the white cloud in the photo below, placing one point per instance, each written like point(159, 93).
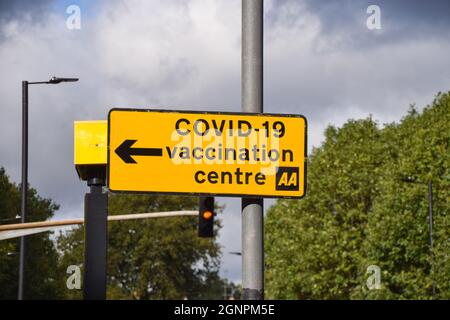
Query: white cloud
point(171, 53)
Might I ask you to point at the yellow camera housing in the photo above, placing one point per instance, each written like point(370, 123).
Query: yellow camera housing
point(90, 148)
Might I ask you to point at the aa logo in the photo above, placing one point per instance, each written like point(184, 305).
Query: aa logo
point(287, 178)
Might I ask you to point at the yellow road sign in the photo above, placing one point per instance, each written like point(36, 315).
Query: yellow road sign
point(206, 153)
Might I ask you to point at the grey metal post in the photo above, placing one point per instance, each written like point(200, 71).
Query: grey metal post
point(430, 211)
point(430, 215)
point(252, 101)
point(23, 205)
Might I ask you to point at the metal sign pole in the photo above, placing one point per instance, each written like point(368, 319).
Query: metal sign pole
point(252, 101)
point(95, 241)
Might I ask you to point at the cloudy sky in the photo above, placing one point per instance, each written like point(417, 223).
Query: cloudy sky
point(320, 60)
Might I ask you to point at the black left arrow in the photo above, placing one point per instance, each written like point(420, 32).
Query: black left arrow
point(125, 151)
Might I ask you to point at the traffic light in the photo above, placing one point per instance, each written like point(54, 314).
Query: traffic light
point(206, 217)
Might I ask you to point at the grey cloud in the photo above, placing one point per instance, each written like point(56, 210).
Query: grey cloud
point(345, 20)
point(313, 73)
point(14, 9)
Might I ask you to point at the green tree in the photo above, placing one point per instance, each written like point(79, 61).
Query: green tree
point(41, 275)
point(398, 237)
point(357, 212)
point(154, 258)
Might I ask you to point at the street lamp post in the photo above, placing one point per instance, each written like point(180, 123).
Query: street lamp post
point(24, 187)
point(430, 221)
point(430, 218)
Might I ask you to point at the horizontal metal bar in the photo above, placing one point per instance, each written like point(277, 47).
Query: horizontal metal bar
point(9, 231)
point(9, 234)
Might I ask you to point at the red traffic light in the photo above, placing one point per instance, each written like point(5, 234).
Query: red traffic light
point(206, 217)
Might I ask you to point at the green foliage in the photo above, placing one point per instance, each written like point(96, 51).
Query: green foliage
point(41, 272)
point(358, 212)
point(154, 258)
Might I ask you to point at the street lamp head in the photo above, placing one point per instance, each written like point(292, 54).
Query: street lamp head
point(56, 80)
